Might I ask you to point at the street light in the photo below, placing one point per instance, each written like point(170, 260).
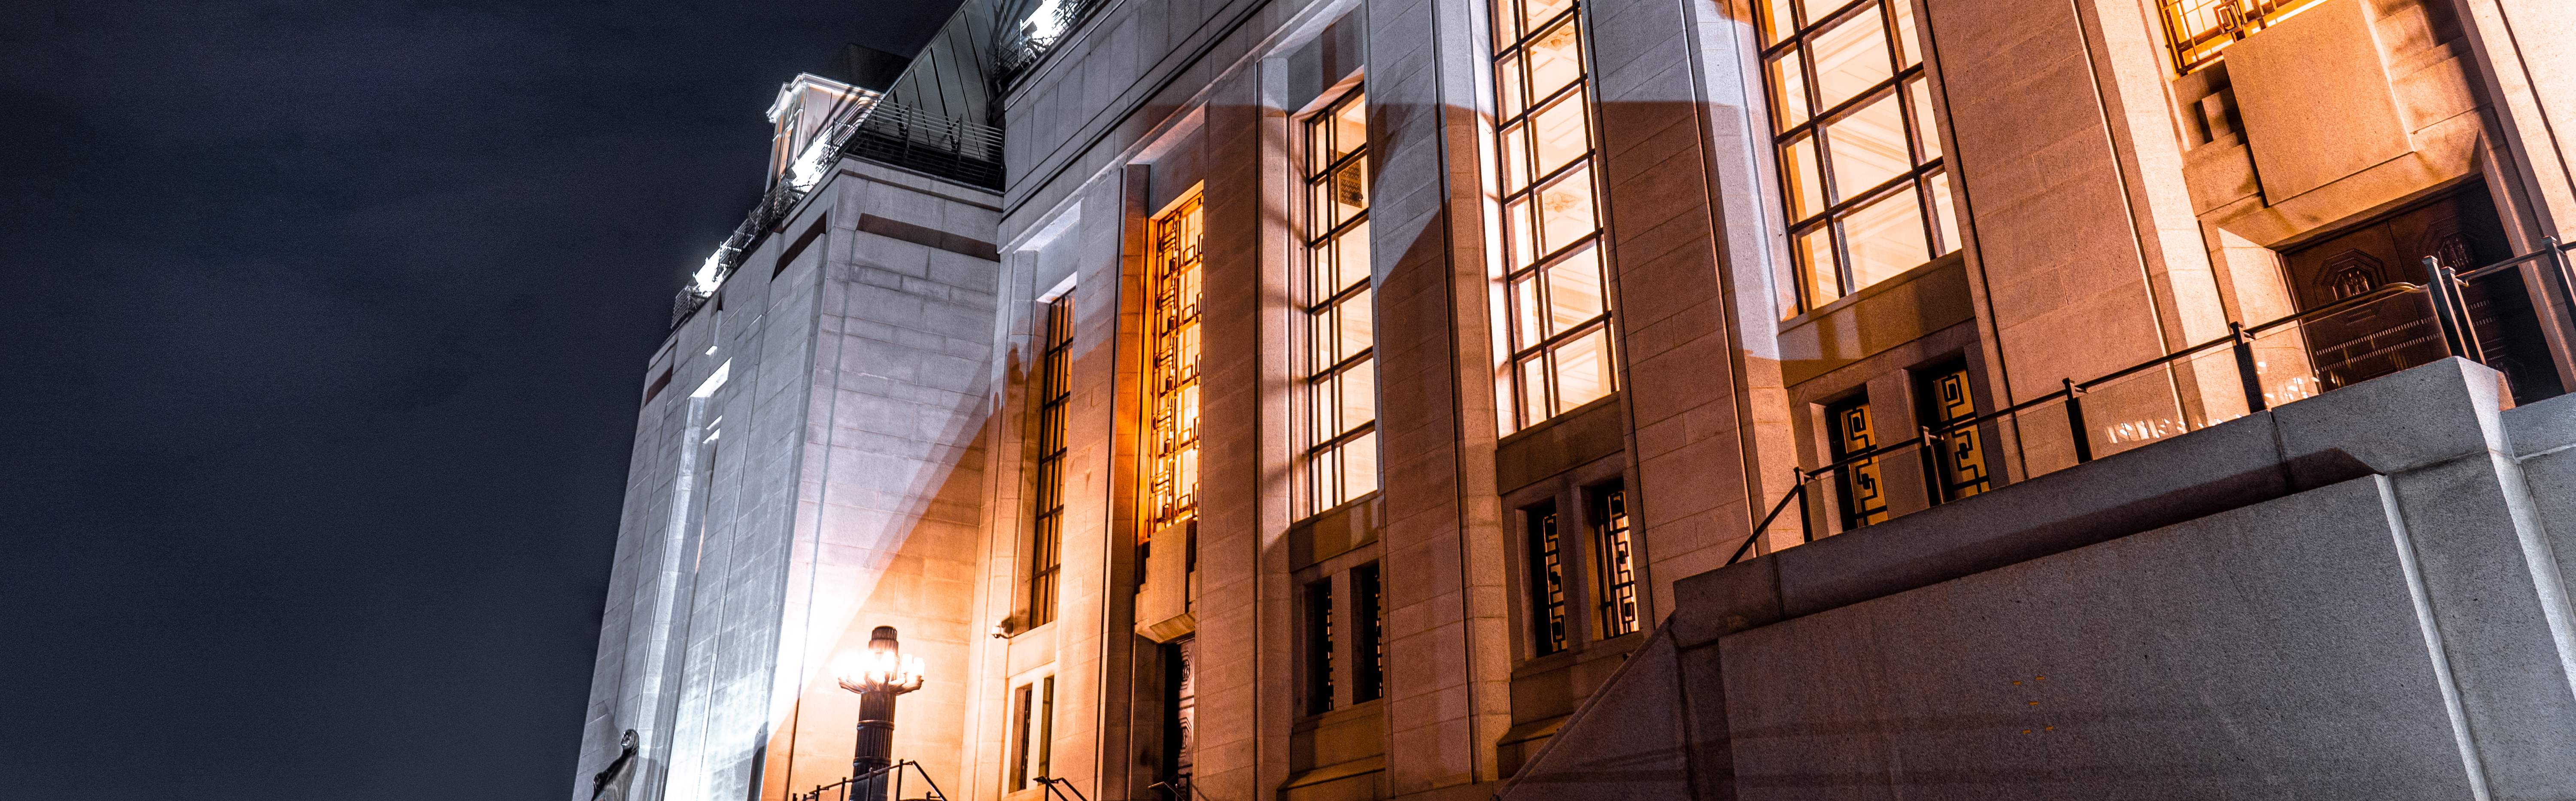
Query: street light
point(884, 674)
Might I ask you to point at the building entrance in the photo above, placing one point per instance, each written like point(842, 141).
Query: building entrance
point(2462, 229)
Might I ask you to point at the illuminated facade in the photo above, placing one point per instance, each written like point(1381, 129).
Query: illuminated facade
point(1362, 399)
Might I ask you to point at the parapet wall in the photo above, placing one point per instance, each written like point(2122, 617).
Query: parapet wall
point(2356, 595)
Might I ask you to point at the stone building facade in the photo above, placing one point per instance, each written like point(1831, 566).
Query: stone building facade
point(1330, 398)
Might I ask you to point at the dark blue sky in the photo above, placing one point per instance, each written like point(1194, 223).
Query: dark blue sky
point(325, 337)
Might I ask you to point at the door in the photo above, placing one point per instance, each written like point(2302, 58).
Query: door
point(2460, 228)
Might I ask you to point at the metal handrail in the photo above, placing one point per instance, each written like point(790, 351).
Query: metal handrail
point(1051, 791)
point(845, 786)
point(2459, 338)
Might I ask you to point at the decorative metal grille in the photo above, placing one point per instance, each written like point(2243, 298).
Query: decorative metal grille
point(1172, 476)
point(1864, 494)
point(1959, 461)
point(2195, 30)
point(1618, 565)
point(1547, 569)
point(1556, 307)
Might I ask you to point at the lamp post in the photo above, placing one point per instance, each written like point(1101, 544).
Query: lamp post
point(884, 674)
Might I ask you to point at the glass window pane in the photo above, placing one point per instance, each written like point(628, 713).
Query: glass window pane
point(1358, 397)
point(1886, 238)
point(1941, 211)
point(1850, 57)
point(1508, 86)
point(1905, 31)
point(1538, 12)
point(1806, 181)
point(1927, 132)
point(1358, 324)
point(1347, 188)
point(1359, 466)
point(1350, 258)
point(1555, 59)
point(1776, 22)
point(1526, 330)
point(1583, 370)
point(1574, 290)
point(1789, 91)
point(1559, 132)
point(1350, 126)
point(1565, 209)
point(1327, 409)
point(1815, 253)
point(1867, 147)
point(1820, 9)
point(1516, 229)
point(1534, 405)
point(1516, 158)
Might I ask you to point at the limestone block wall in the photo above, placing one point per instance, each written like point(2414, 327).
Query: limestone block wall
point(809, 462)
point(2356, 595)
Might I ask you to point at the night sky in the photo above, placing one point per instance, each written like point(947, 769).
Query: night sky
point(326, 335)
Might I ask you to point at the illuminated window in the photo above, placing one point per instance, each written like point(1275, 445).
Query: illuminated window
point(1959, 457)
point(1173, 287)
point(1860, 159)
point(1556, 307)
point(1617, 547)
point(1864, 495)
point(1340, 371)
point(1054, 390)
point(1547, 581)
point(2195, 30)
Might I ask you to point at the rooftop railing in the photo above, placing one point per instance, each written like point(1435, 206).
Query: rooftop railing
point(887, 133)
point(2252, 369)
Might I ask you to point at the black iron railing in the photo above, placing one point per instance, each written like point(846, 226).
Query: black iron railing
point(2365, 336)
point(1024, 42)
point(1057, 788)
point(875, 786)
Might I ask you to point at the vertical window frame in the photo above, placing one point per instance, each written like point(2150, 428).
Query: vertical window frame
point(1325, 455)
point(1551, 625)
point(1529, 382)
point(1054, 404)
point(1174, 288)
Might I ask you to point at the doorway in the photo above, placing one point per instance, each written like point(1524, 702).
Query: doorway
point(2374, 339)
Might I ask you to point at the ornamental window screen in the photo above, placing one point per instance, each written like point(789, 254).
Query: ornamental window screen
point(1547, 582)
point(1368, 597)
point(1959, 456)
point(1556, 307)
point(1340, 369)
point(2195, 30)
point(1172, 478)
point(1864, 493)
point(1054, 394)
point(1616, 543)
point(1319, 647)
point(1861, 169)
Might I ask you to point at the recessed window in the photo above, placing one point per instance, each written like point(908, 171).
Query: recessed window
point(1032, 732)
point(1172, 377)
point(1339, 376)
point(1547, 582)
point(1615, 542)
point(1861, 173)
point(1054, 394)
point(1319, 647)
point(2195, 30)
point(1556, 304)
point(1958, 451)
point(1368, 615)
point(1861, 490)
